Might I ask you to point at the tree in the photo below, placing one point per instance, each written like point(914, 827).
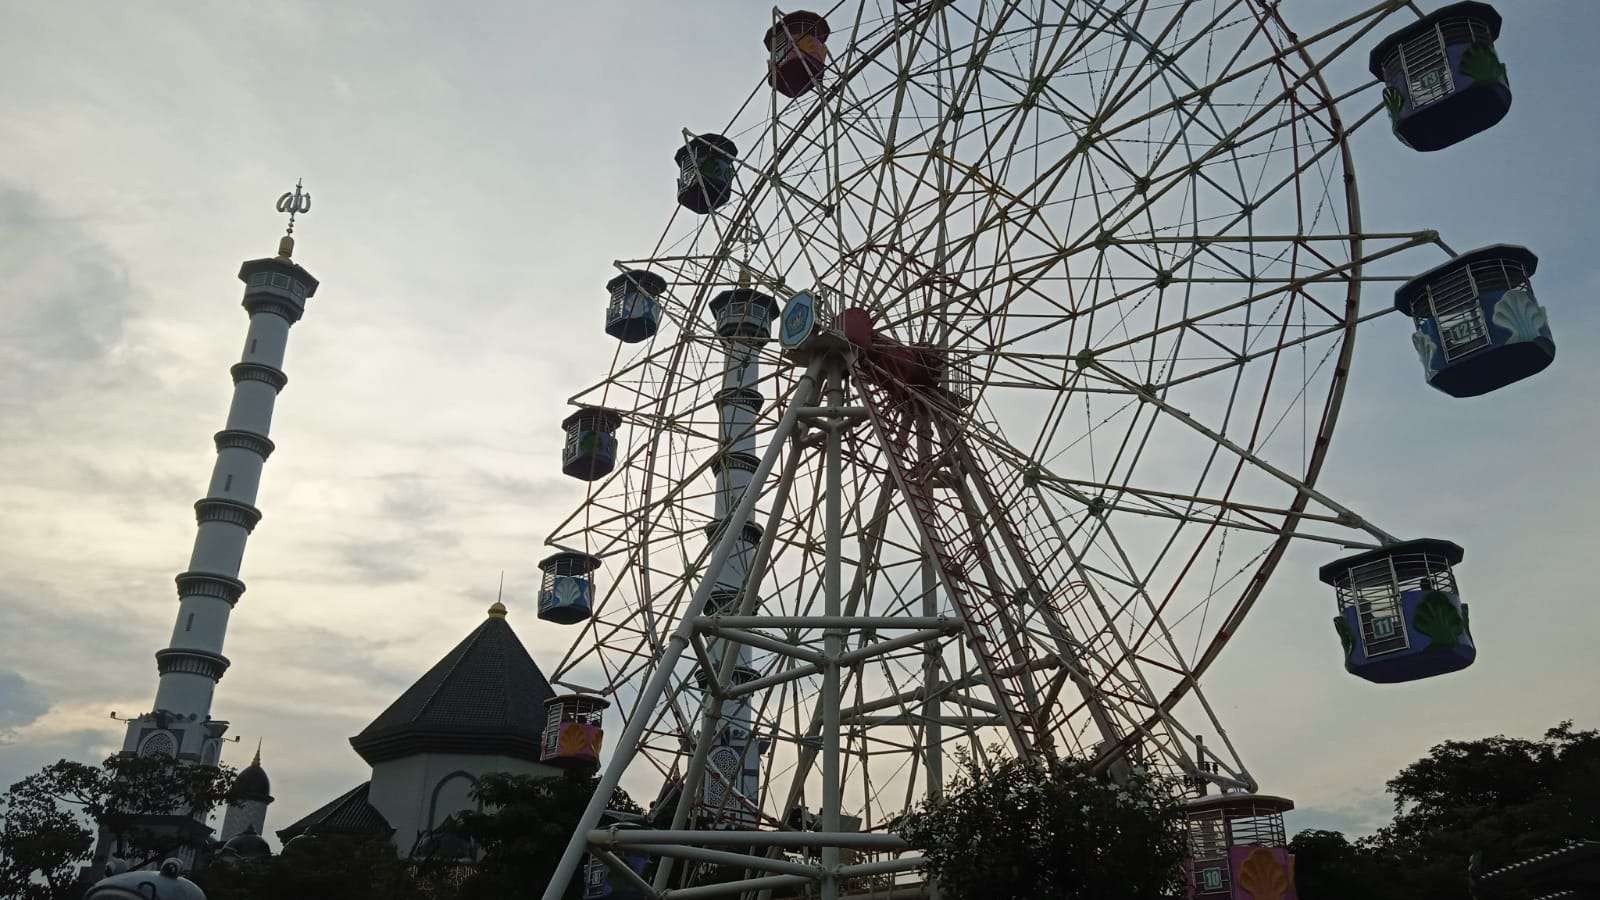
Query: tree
point(318, 867)
point(1024, 829)
point(1328, 866)
point(39, 850)
point(1508, 798)
point(50, 817)
point(522, 830)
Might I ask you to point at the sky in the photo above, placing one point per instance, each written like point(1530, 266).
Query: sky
point(473, 176)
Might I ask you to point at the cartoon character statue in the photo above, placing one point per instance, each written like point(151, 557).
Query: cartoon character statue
point(165, 883)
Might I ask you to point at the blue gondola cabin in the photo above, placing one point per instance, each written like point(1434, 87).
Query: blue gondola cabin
point(1478, 327)
point(566, 593)
point(634, 313)
point(572, 733)
point(1443, 81)
point(1400, 616)
point(797, 52)
point(590, 450)
point(705, 172)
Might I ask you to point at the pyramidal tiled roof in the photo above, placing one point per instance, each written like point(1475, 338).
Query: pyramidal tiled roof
point(348, 813)
point(485, 697)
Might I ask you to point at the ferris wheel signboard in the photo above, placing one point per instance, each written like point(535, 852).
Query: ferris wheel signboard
point(799, 318)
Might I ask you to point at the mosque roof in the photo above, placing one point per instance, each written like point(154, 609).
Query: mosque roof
point(348, 813)
point(486, 696)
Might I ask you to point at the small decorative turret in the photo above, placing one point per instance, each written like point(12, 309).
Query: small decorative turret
point(248, 800)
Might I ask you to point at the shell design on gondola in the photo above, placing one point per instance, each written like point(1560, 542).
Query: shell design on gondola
point(1427, 351)
point(1518, 313)
point(1263, 876)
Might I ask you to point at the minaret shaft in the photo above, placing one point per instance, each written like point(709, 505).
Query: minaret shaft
point(739, 404)
point(276, 290)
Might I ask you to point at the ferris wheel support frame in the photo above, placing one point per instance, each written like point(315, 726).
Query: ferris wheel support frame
point(681, 638)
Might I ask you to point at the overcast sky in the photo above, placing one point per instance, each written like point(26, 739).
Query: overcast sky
point(474, 176)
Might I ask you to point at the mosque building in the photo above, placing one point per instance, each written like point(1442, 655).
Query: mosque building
point(480, 709)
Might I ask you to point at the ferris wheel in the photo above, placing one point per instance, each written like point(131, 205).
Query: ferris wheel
point(1065, 296)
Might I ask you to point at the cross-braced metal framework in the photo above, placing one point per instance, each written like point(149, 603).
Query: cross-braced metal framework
point(1104, 261)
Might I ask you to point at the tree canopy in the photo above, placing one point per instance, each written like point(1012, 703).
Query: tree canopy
point(1016, 829)
point(48, 820)
point(523, 828)
point(1507, 798)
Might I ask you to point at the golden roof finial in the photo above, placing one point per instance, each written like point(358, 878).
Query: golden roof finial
point(294, 204)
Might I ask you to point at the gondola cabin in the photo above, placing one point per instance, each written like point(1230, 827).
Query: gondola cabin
point(705, 172)
point(572, 732)
point(566, 593)
point(1478, 327)
point(1238, 848)
point(599, 880)
point(1443, 82)
point(590, 450)
point(797, 52)
point(634, 313)
point(1400, 617)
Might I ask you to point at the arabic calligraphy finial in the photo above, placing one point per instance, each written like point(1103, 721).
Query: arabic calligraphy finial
point(294, 204)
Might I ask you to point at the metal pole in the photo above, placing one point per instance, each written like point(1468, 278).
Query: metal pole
point(933, 733)
point(653, 690)
point(833, 638)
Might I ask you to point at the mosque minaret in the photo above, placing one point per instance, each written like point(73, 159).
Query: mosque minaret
point(181, 723)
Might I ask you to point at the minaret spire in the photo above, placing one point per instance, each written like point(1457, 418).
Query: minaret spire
point(275, 295)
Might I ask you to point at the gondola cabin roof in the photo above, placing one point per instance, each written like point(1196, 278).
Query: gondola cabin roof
point(607, 419)
point(585, 561)
point(645, 280)
point(1406, 296)
point(1258, 803)
point(1334, 572)
point(1469, 9)
point(799, 22)
point(717, 142)
point(591, 700)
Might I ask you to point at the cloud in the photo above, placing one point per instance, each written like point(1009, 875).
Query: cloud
point(68, 302)
point(21, 703)
point(1358, 818)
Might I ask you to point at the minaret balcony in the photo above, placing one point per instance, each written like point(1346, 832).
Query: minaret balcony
point(249, 371)
point(209, 584)
point(232, 512)
point(277, 285)
point(191, 662)
point(236, 439)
